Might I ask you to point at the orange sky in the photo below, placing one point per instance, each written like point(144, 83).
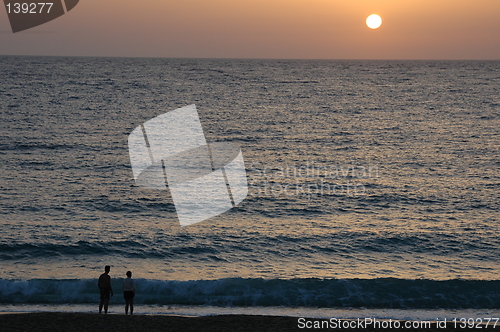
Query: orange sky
point(310, 29)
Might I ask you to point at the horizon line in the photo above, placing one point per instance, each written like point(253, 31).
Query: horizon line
point(245, 58)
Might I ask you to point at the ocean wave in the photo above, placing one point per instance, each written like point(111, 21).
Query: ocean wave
point(48, 250)
point(172, 247)
point(326, 293)
point(28, 146)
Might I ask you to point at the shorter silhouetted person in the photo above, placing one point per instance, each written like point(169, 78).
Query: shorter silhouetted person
point(129, 293)
point(105, 289)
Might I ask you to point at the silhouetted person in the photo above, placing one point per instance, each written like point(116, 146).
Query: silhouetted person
point(129, 293)
point(104, 284)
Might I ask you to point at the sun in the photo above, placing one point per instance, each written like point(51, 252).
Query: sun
point(374, 21)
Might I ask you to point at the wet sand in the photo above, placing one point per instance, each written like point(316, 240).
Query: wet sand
point(151, 323)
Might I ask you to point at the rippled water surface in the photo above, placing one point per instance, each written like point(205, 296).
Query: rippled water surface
point(357, 169)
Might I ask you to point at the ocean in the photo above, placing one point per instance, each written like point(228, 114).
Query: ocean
point(374, 187)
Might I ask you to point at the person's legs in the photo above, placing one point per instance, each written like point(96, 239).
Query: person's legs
point(131, 305)
point(127, 302)
point(105, 293)
point(106, 302)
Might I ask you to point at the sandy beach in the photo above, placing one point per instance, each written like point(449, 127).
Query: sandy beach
point(152, 323)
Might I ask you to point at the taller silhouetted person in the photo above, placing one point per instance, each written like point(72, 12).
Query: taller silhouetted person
point(105, 289)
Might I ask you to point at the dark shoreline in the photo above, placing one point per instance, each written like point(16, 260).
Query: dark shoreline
point(53, 321)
